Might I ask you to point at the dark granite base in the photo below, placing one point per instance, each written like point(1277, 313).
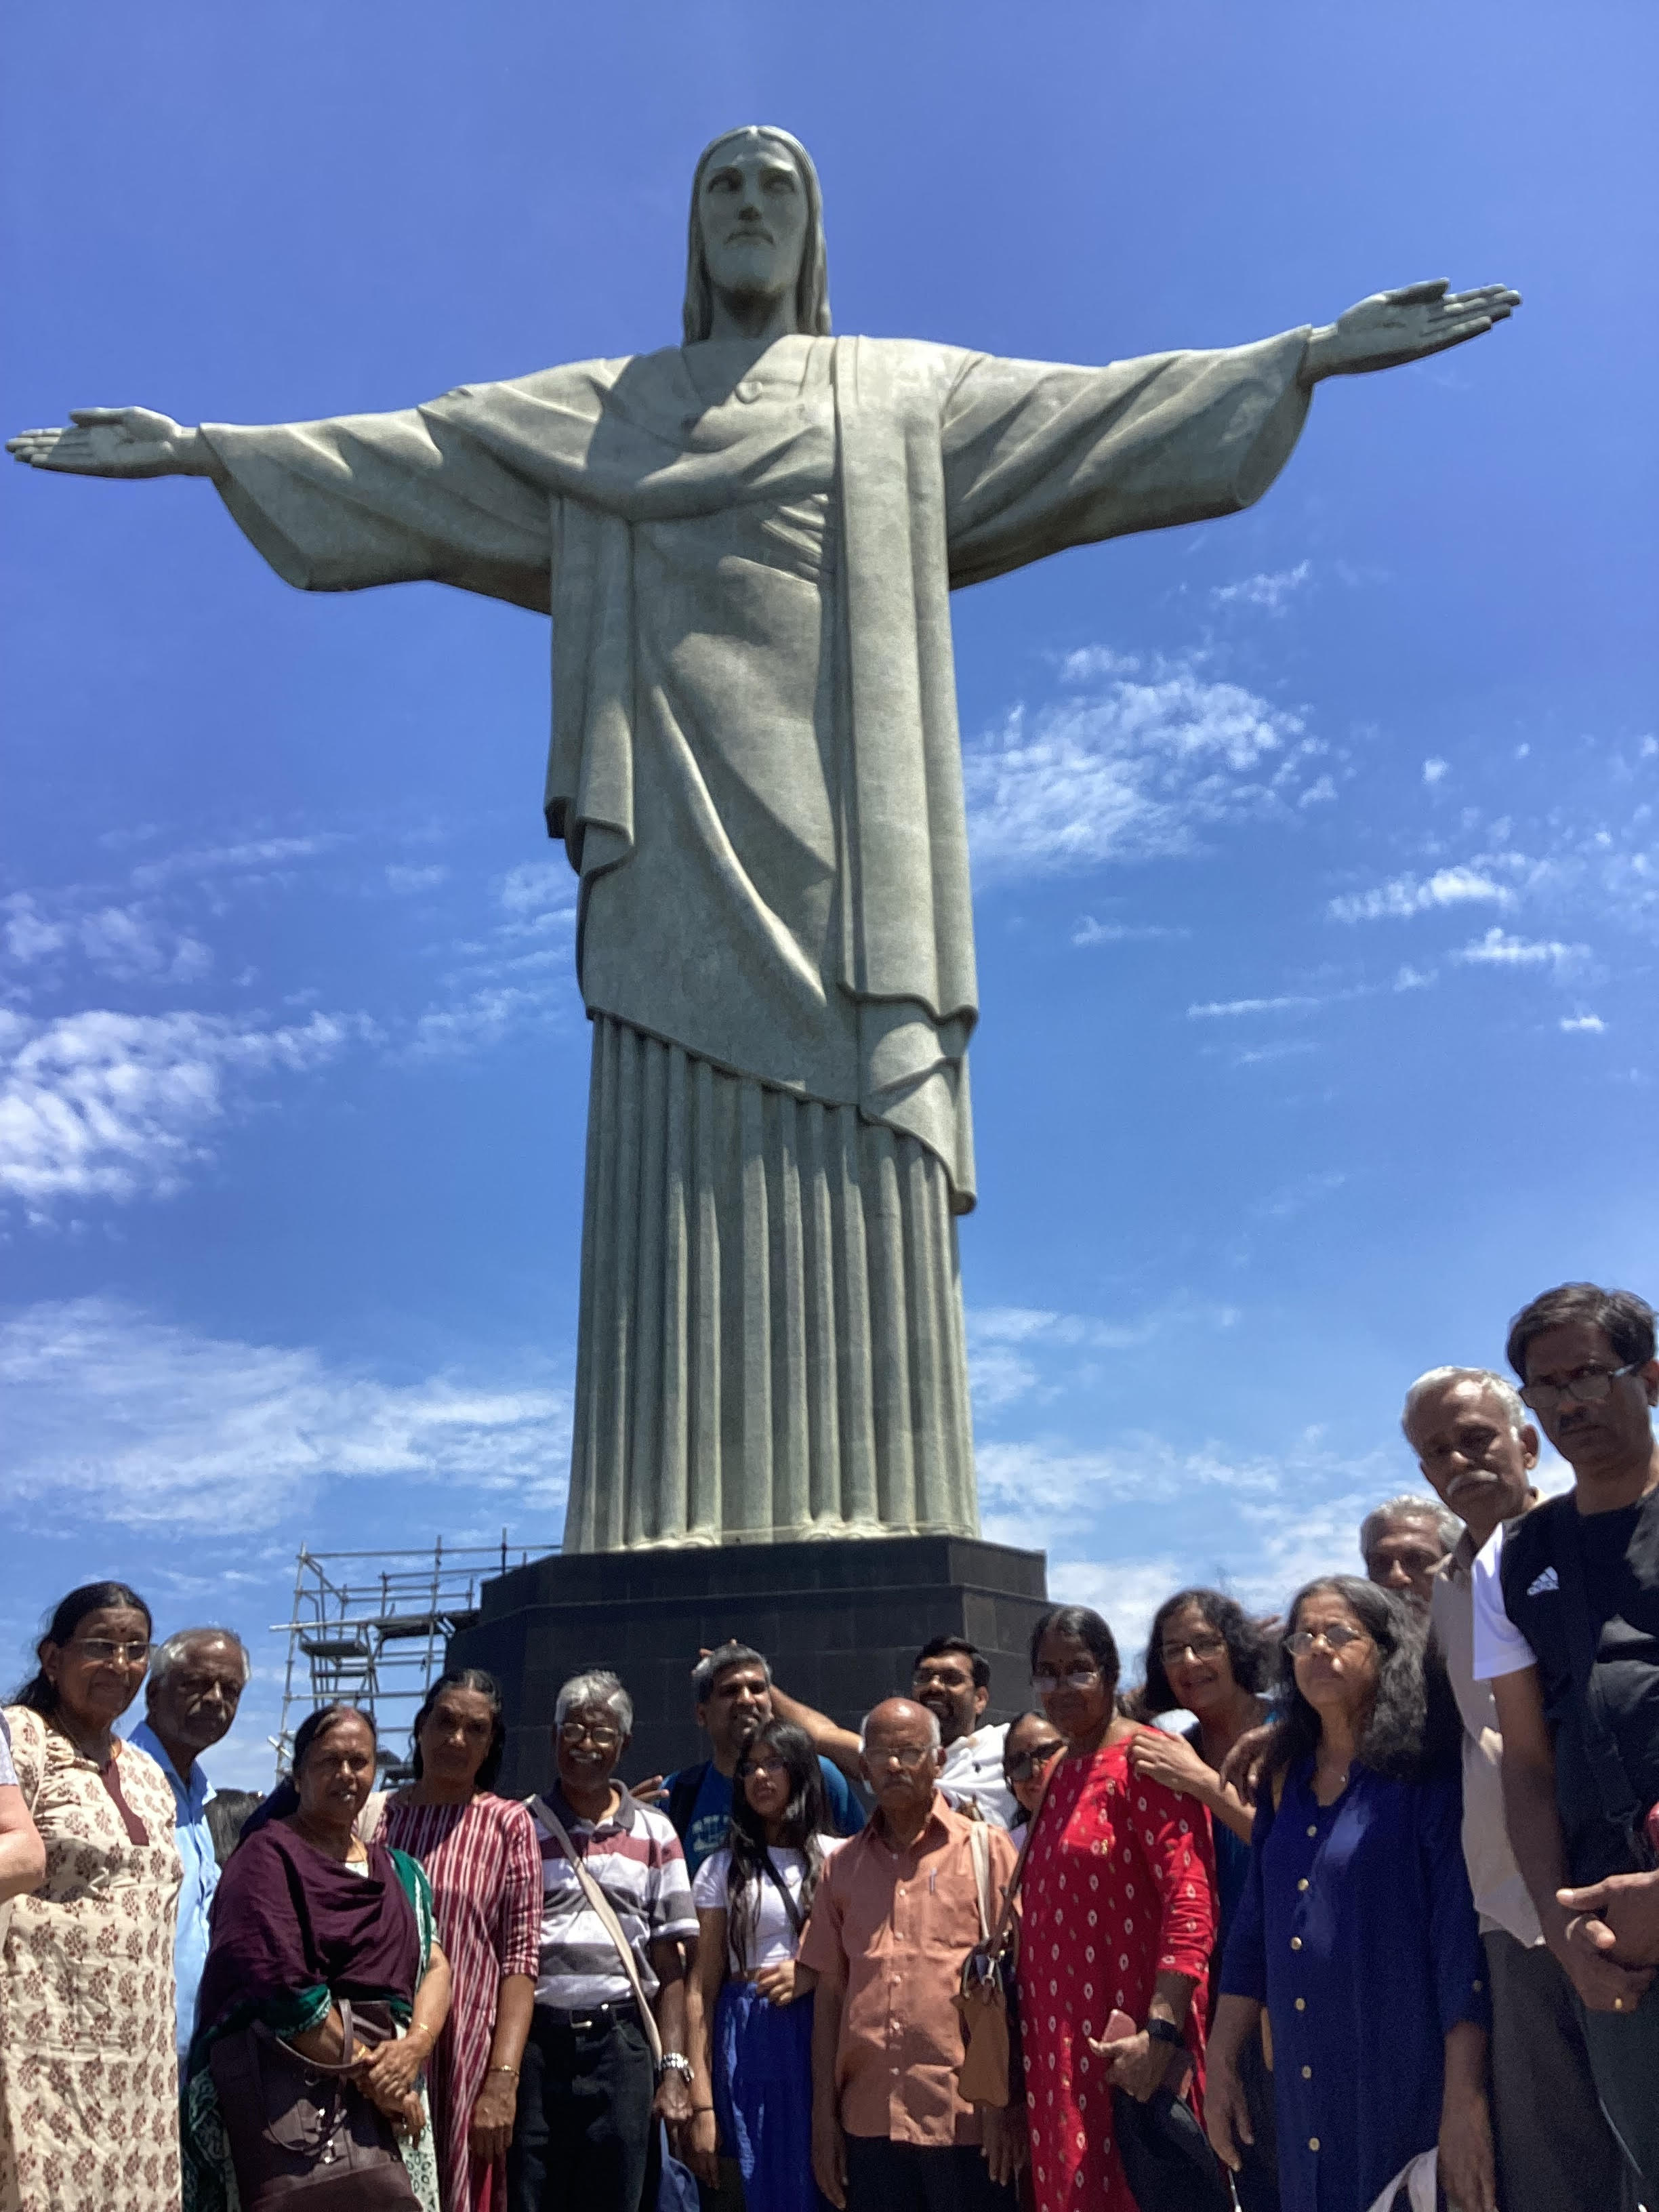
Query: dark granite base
point(841, 1622)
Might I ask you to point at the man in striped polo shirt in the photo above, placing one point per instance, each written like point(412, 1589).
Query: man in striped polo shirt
point(588, 2095)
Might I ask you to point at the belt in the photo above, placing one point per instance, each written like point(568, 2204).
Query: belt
point(590, 2020)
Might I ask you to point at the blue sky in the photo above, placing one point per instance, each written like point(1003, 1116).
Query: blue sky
point(1317, 866)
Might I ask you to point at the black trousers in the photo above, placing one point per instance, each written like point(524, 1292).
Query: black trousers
point(581, 2133)
point(1624, 2056)
point(1555, 2150)
point(884, 2176)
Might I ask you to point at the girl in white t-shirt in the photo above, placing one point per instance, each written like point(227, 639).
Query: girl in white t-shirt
point(748, 2003)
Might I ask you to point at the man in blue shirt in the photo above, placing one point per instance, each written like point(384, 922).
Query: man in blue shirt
point(196, 1683)
point(732, 1688)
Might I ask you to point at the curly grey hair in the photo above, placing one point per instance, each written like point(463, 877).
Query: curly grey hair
point(1441, 1378)
point(1409, 1507)
point(598, 1686)
point(167, 1656)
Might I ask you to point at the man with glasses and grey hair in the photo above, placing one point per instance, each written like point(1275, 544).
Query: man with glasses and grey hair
point(1555, 2151)
point(589, 2092)
point(196, 1682)
point(1567, 1630)
point(896, 1912)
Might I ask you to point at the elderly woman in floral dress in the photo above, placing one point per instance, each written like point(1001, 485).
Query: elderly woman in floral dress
point(88, 2071)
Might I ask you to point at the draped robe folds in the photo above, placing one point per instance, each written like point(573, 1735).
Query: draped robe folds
point(756, 770)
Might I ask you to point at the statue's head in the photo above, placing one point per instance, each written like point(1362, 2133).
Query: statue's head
point(756, 229)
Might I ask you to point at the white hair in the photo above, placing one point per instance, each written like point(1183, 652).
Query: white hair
point(598, 1687)
point(935, 1734)
point(166, 1656)
point(1441, 1378)
point(1409, 1507)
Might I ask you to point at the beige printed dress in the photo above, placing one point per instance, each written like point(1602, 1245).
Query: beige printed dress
point(89, 2068)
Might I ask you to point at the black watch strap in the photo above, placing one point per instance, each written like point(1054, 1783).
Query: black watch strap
point(1164, 2030)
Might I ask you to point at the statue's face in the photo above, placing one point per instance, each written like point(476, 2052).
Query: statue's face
point(753, 204)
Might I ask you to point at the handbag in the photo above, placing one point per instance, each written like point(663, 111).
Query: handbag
point(988, 2000)
point(677, 2188)
point(1167, 2160)
point(300, 2131)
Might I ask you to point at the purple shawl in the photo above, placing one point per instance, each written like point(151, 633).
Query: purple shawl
point(290, 1923)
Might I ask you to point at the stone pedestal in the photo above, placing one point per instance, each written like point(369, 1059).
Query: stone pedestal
point(841, 1621)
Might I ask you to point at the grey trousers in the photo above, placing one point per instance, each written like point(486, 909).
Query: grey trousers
point(1555, 2150)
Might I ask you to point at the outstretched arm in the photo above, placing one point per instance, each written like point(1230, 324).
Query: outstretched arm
point(117, 441)
point(1407, 325)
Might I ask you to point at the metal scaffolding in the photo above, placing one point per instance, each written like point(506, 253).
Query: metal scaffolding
point(372, 1628)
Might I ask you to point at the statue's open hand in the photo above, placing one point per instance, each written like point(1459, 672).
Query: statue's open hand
point(114, 441)
point(1407, 325)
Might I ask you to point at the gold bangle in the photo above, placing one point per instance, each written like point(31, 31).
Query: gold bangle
point(513, 2070)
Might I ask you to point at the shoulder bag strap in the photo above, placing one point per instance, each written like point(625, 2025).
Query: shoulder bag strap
point(797, 1919)
point(1619, 1802)
point(979, 1843)
point(613, 1928)
point(1011, 1895)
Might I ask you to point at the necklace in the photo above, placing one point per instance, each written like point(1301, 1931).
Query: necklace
point(100, 1756)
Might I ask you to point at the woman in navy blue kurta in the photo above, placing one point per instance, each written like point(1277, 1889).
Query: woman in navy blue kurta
point(1355, 1929)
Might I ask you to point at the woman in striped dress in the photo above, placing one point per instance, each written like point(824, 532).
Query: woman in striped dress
point(480, 1855)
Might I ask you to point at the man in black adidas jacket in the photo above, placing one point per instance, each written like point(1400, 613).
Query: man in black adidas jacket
point(1566, 1628)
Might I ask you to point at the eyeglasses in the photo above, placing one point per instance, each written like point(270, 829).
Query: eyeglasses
point(909, 1756)
point(101, 1651)
point(1335, 1638)
point(944, 1678)
point(1200, 1647)
point(601, 1738)
point(1023, 1768)
point(1590, 1386)
point(761, 1766)
point(1045, 1682)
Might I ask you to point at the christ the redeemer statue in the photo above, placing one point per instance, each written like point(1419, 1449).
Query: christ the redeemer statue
point(746, 543)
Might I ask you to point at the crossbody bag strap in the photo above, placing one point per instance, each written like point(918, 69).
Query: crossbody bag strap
point(613, 1928)
point(1011, 1895)
point(1619, 1802)
point(979, 1843)
point(797, 1917)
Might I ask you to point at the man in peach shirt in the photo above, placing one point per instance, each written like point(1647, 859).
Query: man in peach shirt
point(897, 1911)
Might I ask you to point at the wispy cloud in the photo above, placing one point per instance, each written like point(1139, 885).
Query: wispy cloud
point(1405, 895)
point(117, 1106)
point(1584, 1024)
point(1434, 771)
point(1138, 771)
point(1227, 1009)
point(405, 880)
point(159, 1425)
point(1271, 592)
point(128, 943)
point(1498, 950)
point(246, 856)
point(1087, 931)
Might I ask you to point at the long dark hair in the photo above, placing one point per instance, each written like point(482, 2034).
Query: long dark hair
point(467, 1678)
point(1249, 1650)
point(804, 1820)
point(1412, 1731)
point(38, 1694)
point(284, 1799)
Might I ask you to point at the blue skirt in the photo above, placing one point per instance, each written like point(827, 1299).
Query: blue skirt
point(763, 2097)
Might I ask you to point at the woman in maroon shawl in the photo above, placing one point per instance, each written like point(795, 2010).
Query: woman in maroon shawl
point(307, 1914)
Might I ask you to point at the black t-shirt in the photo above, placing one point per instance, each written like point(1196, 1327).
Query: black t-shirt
point(1619, 1551)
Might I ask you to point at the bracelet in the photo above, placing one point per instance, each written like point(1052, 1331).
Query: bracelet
point(1163, 2031)
point(513, 2070)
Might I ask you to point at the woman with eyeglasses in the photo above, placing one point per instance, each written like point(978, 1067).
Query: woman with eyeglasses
point(1356, 1930)
point(480, 1855)
point(1117, 1915)
point(89, 2063)
point(1030, 1746)
point(749, 2010)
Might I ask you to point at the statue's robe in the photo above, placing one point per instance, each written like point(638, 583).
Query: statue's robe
point(756, 771)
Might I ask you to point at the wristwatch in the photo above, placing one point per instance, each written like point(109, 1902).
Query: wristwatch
point(676, 2062)
point(1163, 2031)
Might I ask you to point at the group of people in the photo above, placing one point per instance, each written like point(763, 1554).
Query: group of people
point(1319, 1898)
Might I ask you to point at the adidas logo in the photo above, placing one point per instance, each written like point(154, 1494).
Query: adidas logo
point(1549, 1580)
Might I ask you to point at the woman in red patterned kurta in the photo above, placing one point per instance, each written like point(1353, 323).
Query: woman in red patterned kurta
point(480, 1855)
point(1117, 1914)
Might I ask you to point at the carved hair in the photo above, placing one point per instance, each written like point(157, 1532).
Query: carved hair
point(811, 286)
